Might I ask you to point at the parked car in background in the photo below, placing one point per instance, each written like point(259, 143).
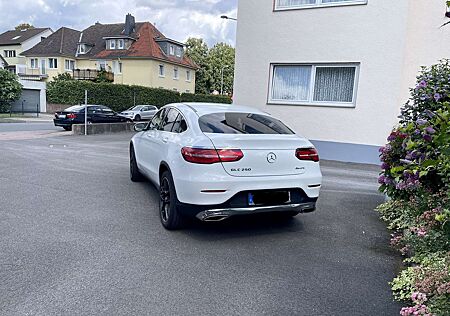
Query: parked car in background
point(215, 161)
point(140, 112)
point(96, 114)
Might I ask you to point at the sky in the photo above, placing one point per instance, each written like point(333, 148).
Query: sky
point(176, 19)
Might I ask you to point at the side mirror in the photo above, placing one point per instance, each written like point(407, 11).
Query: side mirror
point(139, 127)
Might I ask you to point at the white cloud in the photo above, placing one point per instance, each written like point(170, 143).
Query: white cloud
point(178, 19)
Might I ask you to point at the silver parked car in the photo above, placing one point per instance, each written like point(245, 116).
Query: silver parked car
point(140, 112)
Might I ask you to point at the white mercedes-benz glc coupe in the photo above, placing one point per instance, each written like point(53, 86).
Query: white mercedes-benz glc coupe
point(213, 161)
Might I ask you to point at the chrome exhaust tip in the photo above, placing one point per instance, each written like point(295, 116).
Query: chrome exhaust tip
point(212, 216)
point(215, 218)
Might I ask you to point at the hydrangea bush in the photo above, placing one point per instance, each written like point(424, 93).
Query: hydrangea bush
point(416, 176)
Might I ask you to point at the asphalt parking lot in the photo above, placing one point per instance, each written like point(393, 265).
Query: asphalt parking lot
point(78, 238)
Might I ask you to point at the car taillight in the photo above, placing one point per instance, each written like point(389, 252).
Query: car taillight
point(210, 156)
point(307, 154)
point(71, 115)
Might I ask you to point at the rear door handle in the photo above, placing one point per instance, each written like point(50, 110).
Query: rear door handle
point(165, 139)
point(150, 135)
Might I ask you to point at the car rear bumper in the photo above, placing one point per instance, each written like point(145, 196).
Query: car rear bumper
point(214, 190)
point(216, 215)
point(61, 123)
point(239, 205)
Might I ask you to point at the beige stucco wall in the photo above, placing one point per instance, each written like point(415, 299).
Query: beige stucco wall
point(169, 82)
point(142, 72)
point(12, 60)
point(86, 64)
point(389, 39)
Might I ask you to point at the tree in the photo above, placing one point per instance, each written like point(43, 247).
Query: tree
point(57, 79)
point(24, 26)
point(221, 63)
point(197, 50)
point(10, 89)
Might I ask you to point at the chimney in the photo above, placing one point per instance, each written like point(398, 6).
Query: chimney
point(129, 24)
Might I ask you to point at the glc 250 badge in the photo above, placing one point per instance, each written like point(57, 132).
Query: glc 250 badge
point(241, 169)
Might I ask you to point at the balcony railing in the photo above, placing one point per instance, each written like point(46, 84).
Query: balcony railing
point(92, 74)
point(30, 73)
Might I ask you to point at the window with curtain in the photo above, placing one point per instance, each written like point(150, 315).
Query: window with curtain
point(314, 84)
point(298, 4)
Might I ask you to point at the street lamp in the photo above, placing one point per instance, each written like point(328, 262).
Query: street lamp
point(227, 18)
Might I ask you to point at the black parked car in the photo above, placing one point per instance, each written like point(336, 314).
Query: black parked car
point(96, 114)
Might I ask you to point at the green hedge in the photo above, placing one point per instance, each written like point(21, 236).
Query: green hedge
point(120, 97)
point(208, 98)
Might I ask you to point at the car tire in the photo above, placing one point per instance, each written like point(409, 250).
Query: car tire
point(168, 212)
point(137, 118)
point(135, 174)
point(67, 128)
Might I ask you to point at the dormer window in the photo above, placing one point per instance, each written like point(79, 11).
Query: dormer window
point(178, 52)
point(121, 44)
point(81, 49)
point(171, 50)
point(112, 44)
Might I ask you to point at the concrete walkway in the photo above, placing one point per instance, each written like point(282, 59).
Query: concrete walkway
point(27, 118)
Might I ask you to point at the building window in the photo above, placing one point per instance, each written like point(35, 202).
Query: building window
point(161, 71)
point(52, 63)
point(112, 44)
point(188, 91)
point(172, 50)
point(10, 53)
point(121, 44)
point(178, 51)
point(101, 65)
point(81, 49)
point(69, 64)
point(319, 84)
point(175, 73)
point(117, 67)
point(175, 89)
point(188, 75)
point(301, 4)
point(34, 63)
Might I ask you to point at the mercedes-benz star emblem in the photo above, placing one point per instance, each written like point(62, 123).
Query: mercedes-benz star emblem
point(271, 157)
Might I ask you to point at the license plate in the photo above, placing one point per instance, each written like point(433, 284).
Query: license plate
point(262, 198)
point(61, 116)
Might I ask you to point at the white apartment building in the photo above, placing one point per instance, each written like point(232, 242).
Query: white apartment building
point(336, 71)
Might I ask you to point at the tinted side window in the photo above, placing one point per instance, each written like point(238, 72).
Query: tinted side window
point(92, 109)
point(156, 121)
point(107, 111)
point(180, 125)
point(169, 120)
point(242, 123)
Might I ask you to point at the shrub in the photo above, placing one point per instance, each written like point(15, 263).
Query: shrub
point(416, 175)
point(10, 89)
point(119, 97)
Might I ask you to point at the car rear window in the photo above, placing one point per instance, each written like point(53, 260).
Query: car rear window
point(75, 108)
point(241, 123)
